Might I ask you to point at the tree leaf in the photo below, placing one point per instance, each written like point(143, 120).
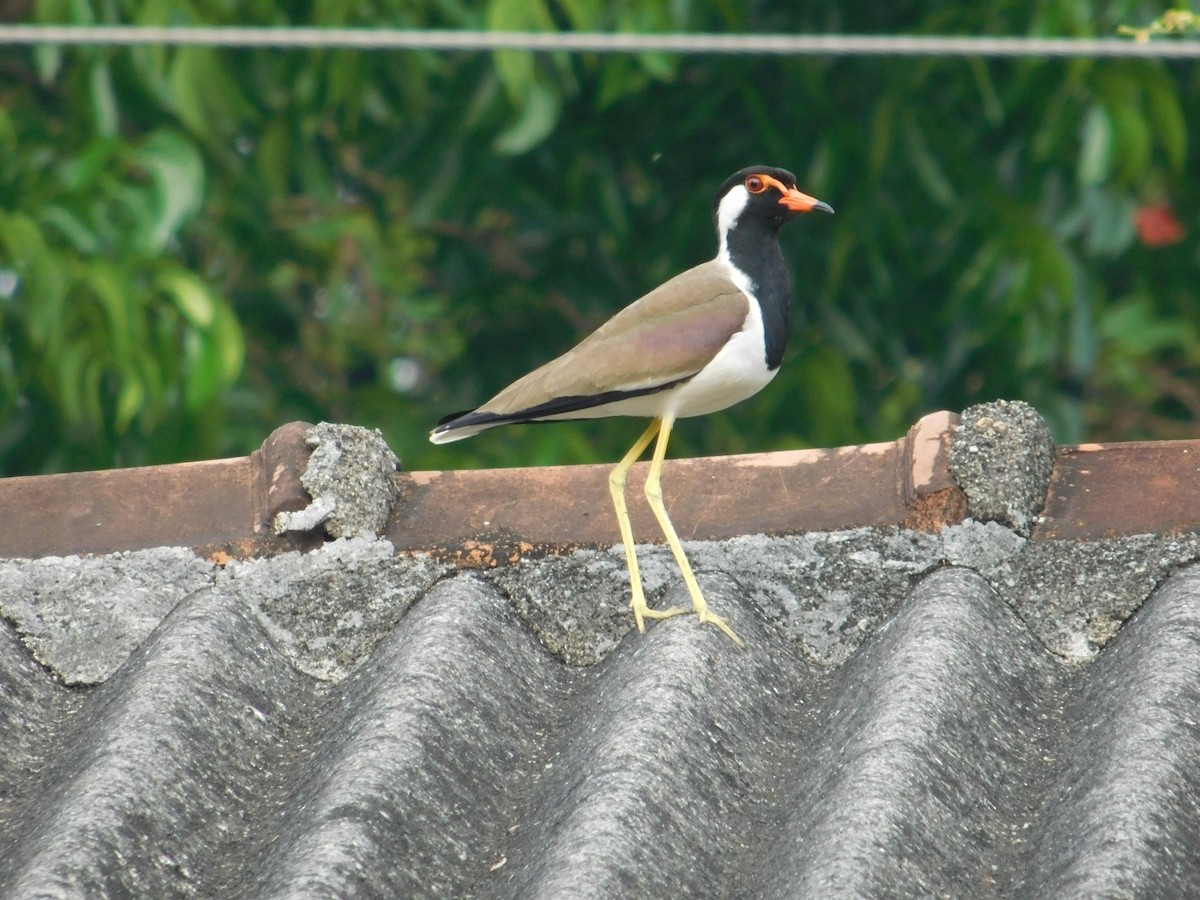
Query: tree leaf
point(929, 171)
point(1108, 215)
point(191, 297)
point(229, 344)
point(104, 99)
point(72, 384)
point(43, 280)
point(205, 96)
point(1131, 136)
point(1170, 126)
point(177, 171)
point(110, 287)
point(516, 67)
point(1096, 146)
point(130, 399)
point(68, 225)
point(538, 117)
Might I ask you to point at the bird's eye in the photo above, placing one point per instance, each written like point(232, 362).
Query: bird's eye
point(755, 185)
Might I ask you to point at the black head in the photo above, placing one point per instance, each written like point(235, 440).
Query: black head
point(766, 194)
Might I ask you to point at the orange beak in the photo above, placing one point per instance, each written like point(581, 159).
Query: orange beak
point(796, 201)
point(793, 199)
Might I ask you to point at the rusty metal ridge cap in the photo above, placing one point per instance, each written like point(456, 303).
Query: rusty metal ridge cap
point(223, 508)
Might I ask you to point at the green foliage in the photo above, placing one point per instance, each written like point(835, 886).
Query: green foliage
point(1172, 22)
point(110, 339)
point(199, 244)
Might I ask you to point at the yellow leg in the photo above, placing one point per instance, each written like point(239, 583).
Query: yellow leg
point(616, 486)
point(654, 498)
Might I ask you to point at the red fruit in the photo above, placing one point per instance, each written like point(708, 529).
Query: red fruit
point(1158, 226)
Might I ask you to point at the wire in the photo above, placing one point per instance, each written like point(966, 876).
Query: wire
point(593, 42)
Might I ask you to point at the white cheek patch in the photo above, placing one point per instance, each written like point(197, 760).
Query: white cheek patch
point(731, 207)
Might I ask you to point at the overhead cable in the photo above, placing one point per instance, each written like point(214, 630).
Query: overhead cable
point(593, 42)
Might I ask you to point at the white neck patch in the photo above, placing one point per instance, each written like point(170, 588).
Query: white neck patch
point(730, 208)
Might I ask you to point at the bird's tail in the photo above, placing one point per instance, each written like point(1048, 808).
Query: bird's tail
point(459, 425)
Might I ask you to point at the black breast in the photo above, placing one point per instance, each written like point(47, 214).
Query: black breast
point(754, 249)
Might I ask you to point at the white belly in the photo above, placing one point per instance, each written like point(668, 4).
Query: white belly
point(737, 372)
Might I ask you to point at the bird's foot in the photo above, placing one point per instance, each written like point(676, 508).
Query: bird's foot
point(641, 611)
point(705, 615)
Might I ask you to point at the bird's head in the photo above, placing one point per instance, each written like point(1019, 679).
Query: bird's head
point(764, 193)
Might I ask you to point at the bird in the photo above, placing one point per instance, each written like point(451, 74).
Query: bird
point(706, 339)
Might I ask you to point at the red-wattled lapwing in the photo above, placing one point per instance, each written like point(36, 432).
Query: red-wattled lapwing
point(703, 341)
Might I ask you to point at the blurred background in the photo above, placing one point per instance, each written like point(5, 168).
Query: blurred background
point(200, 244)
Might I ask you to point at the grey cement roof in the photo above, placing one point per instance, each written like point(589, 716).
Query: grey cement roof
point(353, 723)
point(980, 708)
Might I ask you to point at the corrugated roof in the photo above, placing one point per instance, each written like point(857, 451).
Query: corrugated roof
point(918, 713)
point(951, 755)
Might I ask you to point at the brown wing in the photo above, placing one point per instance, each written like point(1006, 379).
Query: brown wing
point(667, 336)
